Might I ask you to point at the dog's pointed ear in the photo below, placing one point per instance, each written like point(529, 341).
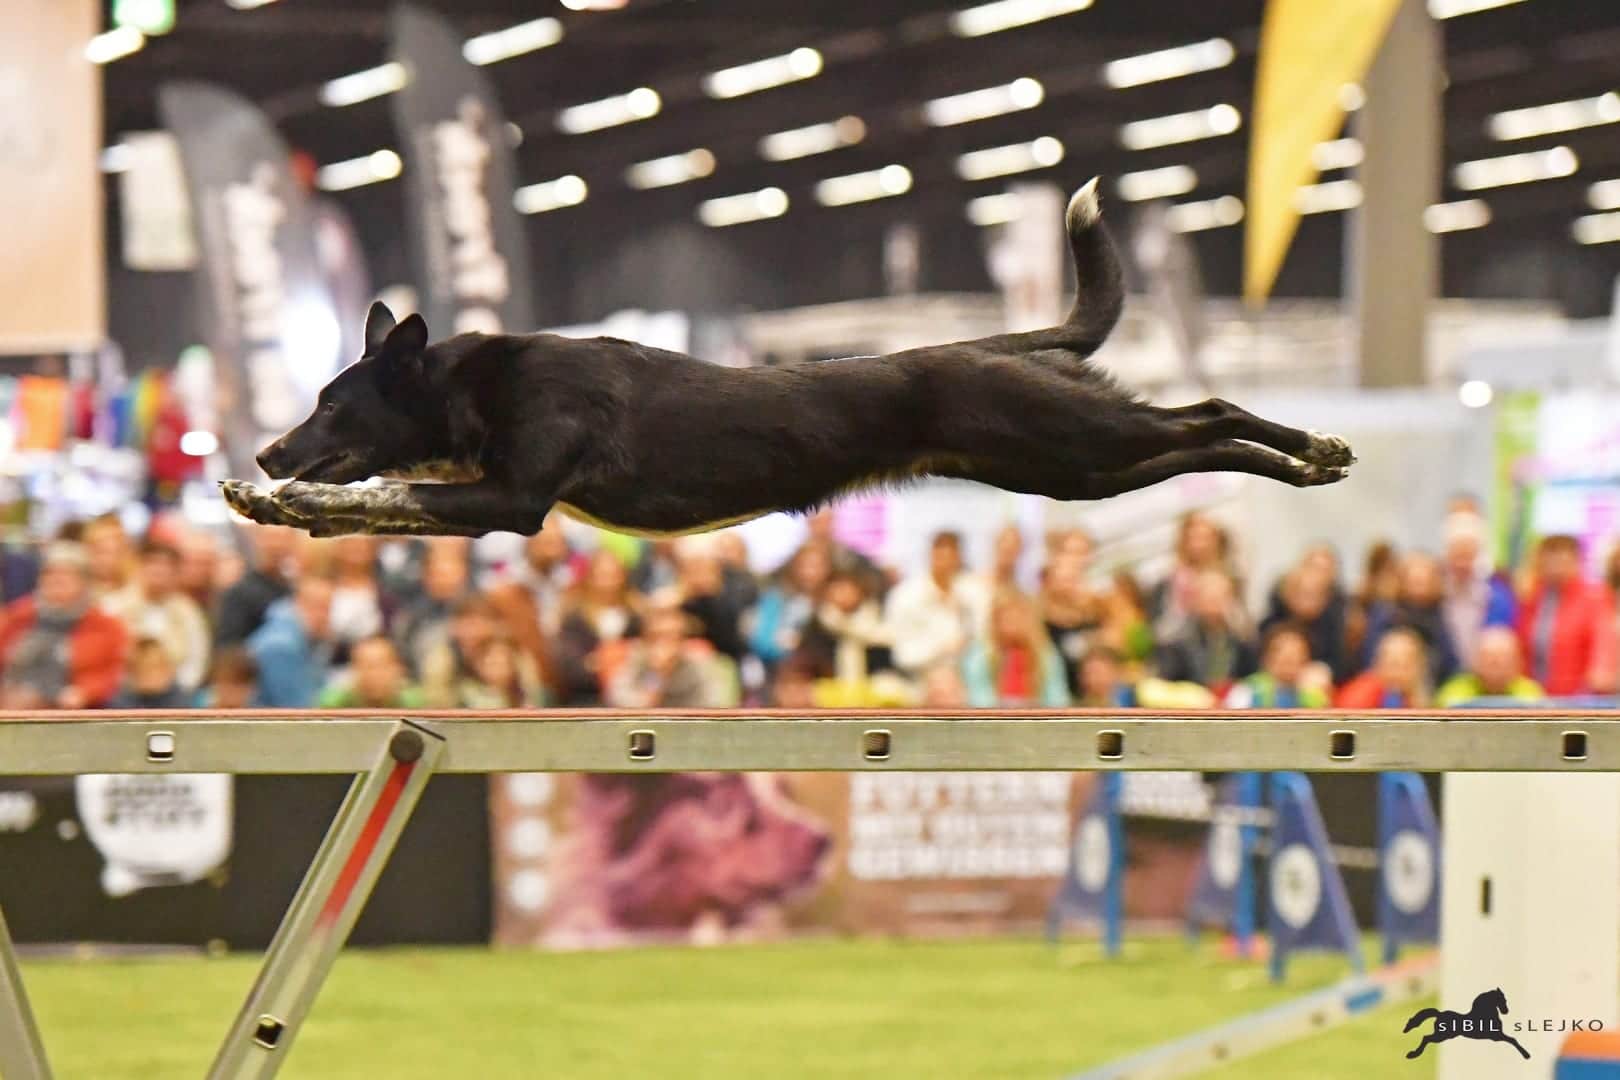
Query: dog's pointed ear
point(409, 337)
point(379, 321)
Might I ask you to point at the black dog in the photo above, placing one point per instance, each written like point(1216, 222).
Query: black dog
point(652, 442)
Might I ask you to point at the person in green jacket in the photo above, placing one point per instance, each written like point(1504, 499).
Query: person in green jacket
point(1498, 673)
point(1287, 678)
point(376, 680)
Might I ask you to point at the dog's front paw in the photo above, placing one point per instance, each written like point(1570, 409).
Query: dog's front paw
point(311, 502)
point(1329, 451)
point(256, 504)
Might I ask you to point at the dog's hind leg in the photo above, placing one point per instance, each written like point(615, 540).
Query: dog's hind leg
point(1217, 419)
point(1224, 456)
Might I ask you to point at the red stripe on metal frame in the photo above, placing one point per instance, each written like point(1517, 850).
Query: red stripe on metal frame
point(393, 788)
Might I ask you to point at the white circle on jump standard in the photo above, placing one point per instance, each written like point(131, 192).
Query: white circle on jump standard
point(1409, 871)
point(1225, 854)
point(1296, 885)
point(1092, 854)
point(528, 890)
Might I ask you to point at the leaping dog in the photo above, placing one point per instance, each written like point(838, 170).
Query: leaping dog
point(650, 442)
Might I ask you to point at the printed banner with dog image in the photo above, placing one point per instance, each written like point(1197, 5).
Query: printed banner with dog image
point(469, 244)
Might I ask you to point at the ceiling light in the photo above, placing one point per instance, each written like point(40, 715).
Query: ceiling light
point(1006, 14)
point(1180, 127)
point(749, 206)
point(198, 443)
point(593, 5)
point(364, 85)
point(1450, 9)
point(994, 209)
point(814, 139)
point(1475, 394)
point(1041, 153)
point(115, 44)
point(1323, 198)
point(673, 169)
point(116, 158)
point(1515, 168)
point(1604, 195)
point(983, 104)
point(1337, 154)
point(1157, 183)
point(638, 104)
point(549, 195)
point(247, 5)
point(525, 37)
point(1208, 214)
point(750, 78)
point(1168, 63)
point(355, 172)
point(864, 186)
point(1456, 216)
point(1352, 97)
point(1558, 116)
point(1597, 228)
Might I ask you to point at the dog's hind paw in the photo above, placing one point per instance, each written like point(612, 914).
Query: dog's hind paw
point(1319, 475)
point(1328, 450)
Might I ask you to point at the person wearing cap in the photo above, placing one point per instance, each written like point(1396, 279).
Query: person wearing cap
point(1474, 596)
point(57, 649)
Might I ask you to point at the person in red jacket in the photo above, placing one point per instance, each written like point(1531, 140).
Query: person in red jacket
point(57, 649)
point(1566, 624)
point(1398, 678)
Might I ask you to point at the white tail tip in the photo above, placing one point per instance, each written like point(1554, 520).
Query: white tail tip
point(1084, 208)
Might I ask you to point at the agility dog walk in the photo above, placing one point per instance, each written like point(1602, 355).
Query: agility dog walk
point(650, 442)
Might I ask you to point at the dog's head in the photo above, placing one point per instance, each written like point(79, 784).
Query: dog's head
point(366, 420)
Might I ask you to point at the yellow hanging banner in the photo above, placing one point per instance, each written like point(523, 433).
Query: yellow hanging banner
point(1309, 50)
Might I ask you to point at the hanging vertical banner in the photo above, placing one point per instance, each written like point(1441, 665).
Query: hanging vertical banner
point(267, 317)
point(468, 242)
point(1223, 895)
point(1093, 887)
point(1170, 267)
point(343, 266)
point(1308, 907)
point(1408, 863)
point(1309, 51)
point(1030, 258)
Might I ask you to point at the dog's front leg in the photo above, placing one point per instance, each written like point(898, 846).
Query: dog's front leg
point(417, 509)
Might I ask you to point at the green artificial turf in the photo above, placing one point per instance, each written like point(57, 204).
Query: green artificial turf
point(967, 1009)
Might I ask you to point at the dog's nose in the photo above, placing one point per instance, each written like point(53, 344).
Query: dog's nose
point(269, 459)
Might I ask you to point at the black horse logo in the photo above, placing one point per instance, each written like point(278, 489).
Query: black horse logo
point(1482, 1021)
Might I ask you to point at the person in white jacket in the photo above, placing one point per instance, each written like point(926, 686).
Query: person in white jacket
point(933, 617)
point(154, 606)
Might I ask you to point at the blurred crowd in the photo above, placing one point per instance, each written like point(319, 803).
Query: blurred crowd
point(178, 618)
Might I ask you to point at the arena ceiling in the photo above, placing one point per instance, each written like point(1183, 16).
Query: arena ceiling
point(881, 61)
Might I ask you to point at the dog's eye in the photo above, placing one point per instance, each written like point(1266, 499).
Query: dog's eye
point(329, 408)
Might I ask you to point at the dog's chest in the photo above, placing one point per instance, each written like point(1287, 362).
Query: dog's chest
point(442, 472)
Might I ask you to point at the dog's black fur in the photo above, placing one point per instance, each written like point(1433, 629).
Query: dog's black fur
point(653, 442)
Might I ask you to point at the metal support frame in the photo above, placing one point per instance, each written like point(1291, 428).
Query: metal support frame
point(395, 756)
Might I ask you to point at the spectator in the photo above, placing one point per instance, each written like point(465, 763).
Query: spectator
point(847, 635)
point(715, 595)
point(358, 606)
point(1417, 606)
point(200, 568)
point(1102, 680)
point(1284, 680)
point(1071, 612)
point(233, 682)
point(656, 570)
point(1475, 598)
point(1498, 672)
point(57, 649)
point(1015, 665)
point(151, 682)
point(532, 605)
point(943, 688)
point(602, 610)
point(1126, 626)
point(377, 680)
point(793, 684)
point(785, 609)
point(450, 672)
point(659, 671)
point(1381, 583)
point(1005, 556)
point(1566, 624)
point(244, 606)
point(1201, 545)
point(1305, 599)
point(497, 679)
point(1210, 647)
point(1398, 679)
point(294, 646)
point(111, 556)
point(154, 606)
point(425, 625)
point(821, 530)
point(935, 616)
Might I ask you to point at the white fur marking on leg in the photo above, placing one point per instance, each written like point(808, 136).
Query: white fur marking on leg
point(1084, 208)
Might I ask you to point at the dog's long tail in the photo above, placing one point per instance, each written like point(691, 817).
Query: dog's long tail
point(1101, 294)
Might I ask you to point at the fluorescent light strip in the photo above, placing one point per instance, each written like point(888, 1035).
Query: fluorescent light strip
point(1337, 154)
point(593, 5)
point(1165, 64)
point(864, 186)
point(982, 104)
point(670, 170)
point(813, 139)
point(355, 172)
point(364, 85)
point(773, 71)
point(1208, 214)
point(1352, 97)
point(248, 5)
point(1456, 216)
point(1006, 14)
point(638, 104)
point(1041, 153)
point(1604, 195)
point(1157, 183)
point(1324, 198)
point(1555, 117)
point(749, 206)
point(1515, 169)
point(500, 45)
point(995, 209)
point(115, 44)
point(1450, 9)
point(550, 195)
point(1596, 229)
point(1180, 127)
